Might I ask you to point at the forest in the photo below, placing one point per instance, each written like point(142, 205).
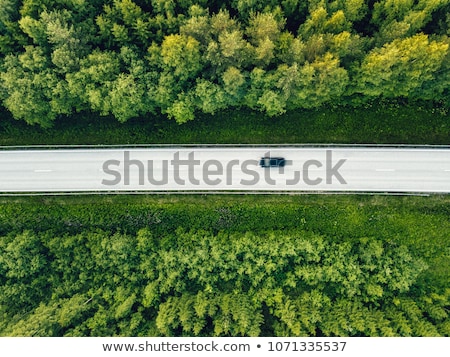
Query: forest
point(179, 58)
point(224, 266)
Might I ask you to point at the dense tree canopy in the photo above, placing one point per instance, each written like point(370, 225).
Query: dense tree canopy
point(201, 284)
point(131, 58)
point(224, 266)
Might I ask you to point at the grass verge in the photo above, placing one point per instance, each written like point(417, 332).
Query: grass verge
point(384, 124)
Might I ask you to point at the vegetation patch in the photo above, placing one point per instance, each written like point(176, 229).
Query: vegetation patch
point(380, 123)
point(128, 59)
point(225, 266)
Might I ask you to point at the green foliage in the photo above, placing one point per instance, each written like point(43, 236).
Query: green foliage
point(401, 67)
point(303, 271)
point(340, 52)
point(181, 55)
point(92, 83)
point(29, 85)
point(400, 19)
point(158, 280)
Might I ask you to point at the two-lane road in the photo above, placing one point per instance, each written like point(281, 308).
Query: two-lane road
point(342, 169)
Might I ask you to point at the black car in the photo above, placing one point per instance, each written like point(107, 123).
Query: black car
point(272, 162)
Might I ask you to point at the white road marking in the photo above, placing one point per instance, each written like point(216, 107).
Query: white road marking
point(385, 170)
point(43, 170)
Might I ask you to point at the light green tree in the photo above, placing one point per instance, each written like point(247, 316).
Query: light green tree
point(181, 55)
point(401, 67)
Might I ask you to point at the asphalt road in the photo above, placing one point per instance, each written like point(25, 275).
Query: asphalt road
point(405, 170)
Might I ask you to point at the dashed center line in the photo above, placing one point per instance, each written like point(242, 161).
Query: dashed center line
point(43, 170)
point(385, 170)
